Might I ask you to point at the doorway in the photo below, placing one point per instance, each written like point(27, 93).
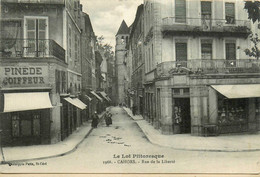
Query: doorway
point(183, 106)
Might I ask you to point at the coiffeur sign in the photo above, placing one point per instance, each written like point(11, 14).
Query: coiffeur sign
point(24, 75)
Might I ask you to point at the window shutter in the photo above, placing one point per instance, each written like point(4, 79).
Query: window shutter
point(180, 11)
point(205, 8)
point(181, 52)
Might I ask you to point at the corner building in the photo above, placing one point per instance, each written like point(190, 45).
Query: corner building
point(198, 79)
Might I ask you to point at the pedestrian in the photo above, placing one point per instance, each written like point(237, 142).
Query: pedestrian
point(134, 110)
point(108, 118)
point(94, 120)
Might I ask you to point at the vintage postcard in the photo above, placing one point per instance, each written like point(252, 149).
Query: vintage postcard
point(129, 87)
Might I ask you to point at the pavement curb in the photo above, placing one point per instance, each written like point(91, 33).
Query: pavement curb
point(52, 156)
point(189, 149)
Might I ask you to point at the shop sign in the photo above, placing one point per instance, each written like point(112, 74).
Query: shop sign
point(32, 75)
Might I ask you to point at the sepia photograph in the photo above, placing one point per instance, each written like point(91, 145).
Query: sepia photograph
point(130, 87)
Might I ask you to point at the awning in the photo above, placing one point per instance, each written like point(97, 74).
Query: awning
point(88, 97)
point(96, 95)
point(76, 102)
point(26, 101)
point(238, 91)
point(79, 103)
point(109, 98)
point(104, 95)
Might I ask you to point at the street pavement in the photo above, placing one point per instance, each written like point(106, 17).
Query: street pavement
point(124, 148)
point(223, 143)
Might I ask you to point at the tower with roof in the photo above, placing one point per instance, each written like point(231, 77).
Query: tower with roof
point(120, 60)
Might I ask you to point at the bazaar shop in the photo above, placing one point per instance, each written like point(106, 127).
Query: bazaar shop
point(235, 108)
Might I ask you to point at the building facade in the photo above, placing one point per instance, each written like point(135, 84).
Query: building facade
point(136, 41)
point(41, 70)
point(196, 67)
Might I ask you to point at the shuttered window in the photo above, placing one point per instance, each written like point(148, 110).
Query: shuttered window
point(180, 11)
point(230, 51)
point(230, 13)
point(206, 50)
point(181, 51)
point(206, 8)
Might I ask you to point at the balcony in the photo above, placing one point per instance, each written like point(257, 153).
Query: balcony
point(206, 27)
point(31, 48)
point(214, 66)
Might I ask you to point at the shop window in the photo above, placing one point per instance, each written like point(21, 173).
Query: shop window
point(206, 51)
point(180, 11)
point(15, 125)
point(25, 124)
point(36, 124)
point(231, 111)
point(230, 13)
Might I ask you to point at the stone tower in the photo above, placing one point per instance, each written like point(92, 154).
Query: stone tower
point(120, 56)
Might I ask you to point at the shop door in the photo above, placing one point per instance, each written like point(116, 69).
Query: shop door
point(183, 105)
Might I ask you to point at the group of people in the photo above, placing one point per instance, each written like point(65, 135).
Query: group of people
point(95, 119)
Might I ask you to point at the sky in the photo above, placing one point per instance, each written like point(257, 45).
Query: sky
point(107, 15)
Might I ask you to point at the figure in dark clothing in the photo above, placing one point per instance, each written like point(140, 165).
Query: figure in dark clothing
point(94, 120)
point(108, 118)
point(134, 110)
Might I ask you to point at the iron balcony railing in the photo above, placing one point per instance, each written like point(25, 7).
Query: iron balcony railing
point(17, 48)
point(207, 66)
point(206, 23)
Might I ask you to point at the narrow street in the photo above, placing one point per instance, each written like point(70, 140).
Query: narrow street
point(118, 149)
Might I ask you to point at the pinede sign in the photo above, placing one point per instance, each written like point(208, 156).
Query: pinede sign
point(24, 75)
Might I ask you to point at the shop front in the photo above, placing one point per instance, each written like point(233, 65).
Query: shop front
point(237, 107)
point(25, 118)
point(72, 111)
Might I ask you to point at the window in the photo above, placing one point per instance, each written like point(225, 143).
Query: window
point(26, 124)
point(230, 51)
point(230, 54)
point(181, 54)
point(35, 35)
point(206, 15)
point(230, 13)
point(180, 11)
point(205, 8)
point(206, 50)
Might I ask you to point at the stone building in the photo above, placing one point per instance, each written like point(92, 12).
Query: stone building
point(198, 79)
point(88, 46)
point(39, 71)
point(122, 37)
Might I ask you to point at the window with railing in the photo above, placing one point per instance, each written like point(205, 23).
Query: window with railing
point(35, 33)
